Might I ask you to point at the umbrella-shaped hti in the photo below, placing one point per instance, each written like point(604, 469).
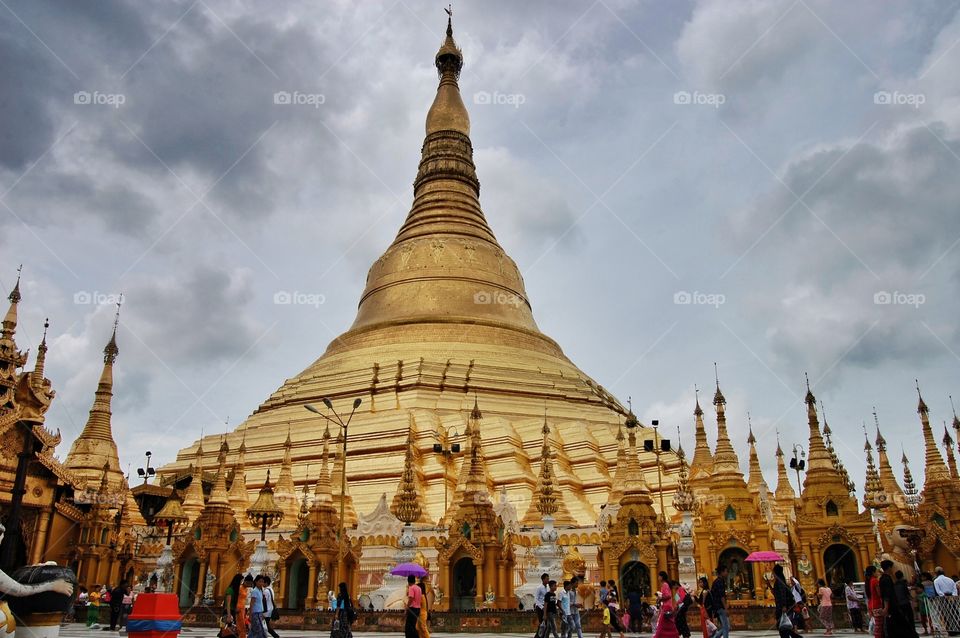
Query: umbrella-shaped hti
point(764, 557)
point(409, 569)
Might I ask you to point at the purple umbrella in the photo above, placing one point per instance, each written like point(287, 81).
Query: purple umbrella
point(409, 569)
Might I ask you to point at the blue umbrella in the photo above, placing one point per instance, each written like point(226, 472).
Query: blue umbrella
point(409, 569)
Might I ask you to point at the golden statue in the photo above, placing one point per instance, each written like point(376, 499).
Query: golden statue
point(573, 564)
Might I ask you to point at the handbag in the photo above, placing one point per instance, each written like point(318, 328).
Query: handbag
point(785, 622)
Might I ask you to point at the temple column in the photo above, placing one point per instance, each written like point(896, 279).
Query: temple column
point(40, 540)
point(312, 583)
point(863, 552)
point(201, 582)
point(503, 584)
point(445, 585)
point(758, 586)
point(478, 599)
point(661, 556)
point(281, 586)
point(490, 569)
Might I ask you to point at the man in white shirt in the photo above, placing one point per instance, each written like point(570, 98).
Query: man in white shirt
point(540, 594)
point(269, 604)
point(944, 584)
point(563, 598)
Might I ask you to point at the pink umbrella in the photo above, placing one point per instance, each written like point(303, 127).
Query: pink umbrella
point(764, 557)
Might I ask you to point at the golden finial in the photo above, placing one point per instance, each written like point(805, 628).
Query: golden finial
point(14, 296)
point(921, 406)
point(111, 351)
point(810, 399)
point(718, 398)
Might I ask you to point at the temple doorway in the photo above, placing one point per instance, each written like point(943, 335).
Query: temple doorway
point(189, 580)
point(464, 584)
point(297, 584)
point(739, 573)
point(839, 563)
point(634, 576)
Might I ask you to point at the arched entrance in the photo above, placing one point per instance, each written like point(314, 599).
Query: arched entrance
point(839, 563)
point(297, 584)
point(739, 572)
point(189, 579)
point(464, 584)
point(634, 576)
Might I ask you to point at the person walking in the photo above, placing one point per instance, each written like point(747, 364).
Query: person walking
point(605, 620)
point(423, 626)
point(925, 592)
point(258, 626)
point(575, 606)
point(116, 604)
point(603, 593)
point(612, 589)
point(943, 584)
point(666, 620)
point(682, 601)
point(635, 608)
point(718, 595)
point(564, 601)
point(853, 605)
point(874, 601)
point(126, 606)
point(270, 612)
point(412, 606)
point(616, 621)
point(784, 603)
point(825, 608)
point(904, 597)
point(243, 604)
point(800, 612)
point(538, 598)
point(705, 602)
point(344, 612)
point(93, 606)
point(550, 609)
point(896, 624)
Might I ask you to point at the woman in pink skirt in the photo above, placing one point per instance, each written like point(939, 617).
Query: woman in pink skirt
point(825, 594)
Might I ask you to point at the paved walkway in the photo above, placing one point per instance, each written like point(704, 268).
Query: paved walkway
point(77, 630)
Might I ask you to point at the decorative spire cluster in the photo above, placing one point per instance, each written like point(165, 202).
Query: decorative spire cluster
point(837, 463)
point(874, 497)
point(702, 457)
point(785, 494)
point(756, 483)
point(726, 465)
point(911, 495)
point(684, 499)
point(935, 469)
point(407, 505)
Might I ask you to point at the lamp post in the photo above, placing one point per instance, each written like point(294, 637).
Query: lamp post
point(146, 472)
point(447, 450)
point(797, 463)
point(343, 426)
point(172, 516)
point(664, 446)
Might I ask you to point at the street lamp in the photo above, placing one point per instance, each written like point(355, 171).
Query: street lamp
point(797, 463)
point(343, 426)
point(146, 472)
point(651, 446)
point(447, 450)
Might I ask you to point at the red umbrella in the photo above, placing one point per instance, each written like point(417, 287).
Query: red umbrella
point(764, 557)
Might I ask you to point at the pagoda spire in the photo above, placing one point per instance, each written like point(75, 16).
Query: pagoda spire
point(193, 496)
point(948, 445)
point(702, 461)
point(636, 488)
point(756, 483)
point(218, 493)
point(620, 472)
point(888, 481)
point(38, 366)
point(935, 469)
point(239, 497)
point(9, 326)
point(547, 499)
point(874, 495)
point(285, 491)
point(684, 499)
point(726, 465)
point(95, 447)
point(785, 495)
point(408, 501)
point(956, 422)
point(834, 458)
point(818, 459)
point(911, 496)
point(323, 490)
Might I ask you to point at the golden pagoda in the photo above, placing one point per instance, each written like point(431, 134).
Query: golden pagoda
point(444, 315)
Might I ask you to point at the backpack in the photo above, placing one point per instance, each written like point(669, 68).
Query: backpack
point(106, 597)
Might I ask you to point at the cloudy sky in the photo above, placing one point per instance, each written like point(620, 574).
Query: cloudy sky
point(769, 184)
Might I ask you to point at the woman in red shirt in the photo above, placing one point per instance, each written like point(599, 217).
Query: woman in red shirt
point(874, 600)
point(414, 602)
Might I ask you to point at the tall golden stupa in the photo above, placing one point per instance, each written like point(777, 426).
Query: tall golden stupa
point(444, 320)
